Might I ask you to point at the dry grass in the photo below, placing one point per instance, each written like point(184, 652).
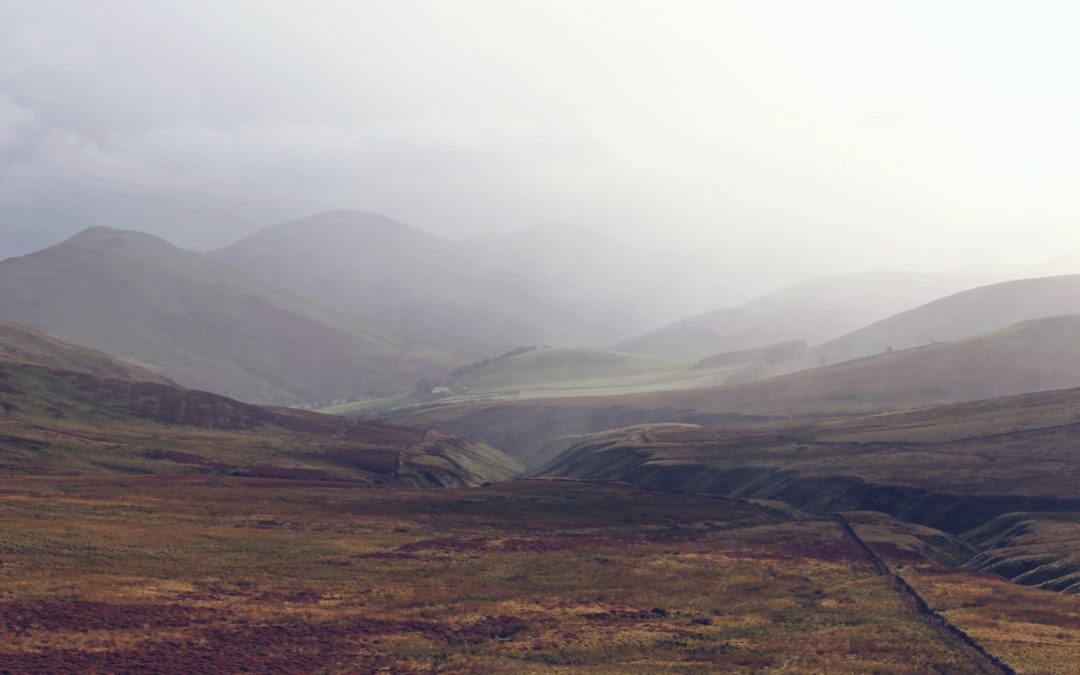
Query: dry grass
point(1032, 630)
point(528, 576)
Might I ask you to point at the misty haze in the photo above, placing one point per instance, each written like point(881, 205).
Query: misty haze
point(512, 336)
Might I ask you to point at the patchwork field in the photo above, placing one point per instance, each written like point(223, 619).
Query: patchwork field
point(230, 574)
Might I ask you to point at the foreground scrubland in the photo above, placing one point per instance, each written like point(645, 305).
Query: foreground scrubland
point(231, 574)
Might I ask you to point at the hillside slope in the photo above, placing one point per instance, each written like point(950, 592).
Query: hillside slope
point(197, 321)
point(430, 290)
point(22, 344)
point(813, 311)
point(953, 467)
point(56, 421)
point(961, 315)
point(1038, 355)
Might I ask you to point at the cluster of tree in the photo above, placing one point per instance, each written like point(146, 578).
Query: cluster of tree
point(466, 369)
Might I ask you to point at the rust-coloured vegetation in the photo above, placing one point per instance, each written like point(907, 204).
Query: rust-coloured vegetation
point(258, 575)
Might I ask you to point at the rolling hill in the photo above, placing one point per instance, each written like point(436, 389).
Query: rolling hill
point(133, 506)
point(430, 290)
point(1032, 356)
point(22, 344)
point(965, 314)
point(1018, 445)
point(1036, 355)
point(198, 321)
point(813, 311)
point(64, 421)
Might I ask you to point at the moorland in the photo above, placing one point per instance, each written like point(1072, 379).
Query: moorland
point(862, 473)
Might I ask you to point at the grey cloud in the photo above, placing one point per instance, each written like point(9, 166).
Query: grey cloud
point(774, 139)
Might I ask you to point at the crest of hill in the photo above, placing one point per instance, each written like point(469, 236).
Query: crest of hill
point(813, 311)
point(198, 321)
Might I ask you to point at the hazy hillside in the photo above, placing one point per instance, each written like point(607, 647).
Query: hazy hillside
point(22, 344)
point(768, 355)
point(196, 320)
point(64, 421)
point(964, 314)
point(1033, 356)
point(813, 311)
point(431, 290)
point(627, 289)
point(1037, 355)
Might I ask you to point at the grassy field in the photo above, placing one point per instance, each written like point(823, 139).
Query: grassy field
point(249, 575)
point(370, 405)
point(559, 373)
point(560, 368)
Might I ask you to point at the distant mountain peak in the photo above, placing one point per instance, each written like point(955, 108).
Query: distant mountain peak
point(346, 218)
point(105, 237)
point(95, 231)
point(351, 216)
point(106, 233)
point(335, 228)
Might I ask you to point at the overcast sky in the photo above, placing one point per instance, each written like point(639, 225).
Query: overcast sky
point(812, 136)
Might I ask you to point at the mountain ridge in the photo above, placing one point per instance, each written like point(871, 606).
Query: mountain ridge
point(815, 311)
point(197, 321)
